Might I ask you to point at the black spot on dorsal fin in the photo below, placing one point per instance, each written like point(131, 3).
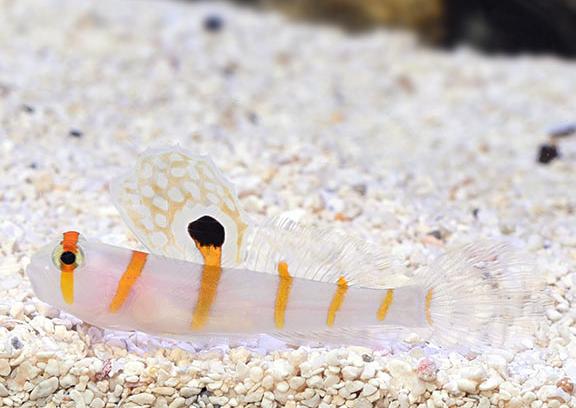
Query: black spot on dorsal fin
point(207, 231)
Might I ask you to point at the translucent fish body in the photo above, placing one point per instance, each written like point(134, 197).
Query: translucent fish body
point(178, 298)
point(212, 270)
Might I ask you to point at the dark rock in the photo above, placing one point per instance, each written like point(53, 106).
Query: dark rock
point(547, 153)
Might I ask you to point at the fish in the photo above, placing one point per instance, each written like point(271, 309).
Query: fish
point(211, 270)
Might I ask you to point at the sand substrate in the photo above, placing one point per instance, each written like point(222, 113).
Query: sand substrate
point(413, 149)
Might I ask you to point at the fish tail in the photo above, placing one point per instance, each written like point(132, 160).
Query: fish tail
point(482, 294)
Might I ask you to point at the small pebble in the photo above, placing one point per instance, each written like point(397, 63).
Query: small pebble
point(368, 390)
point(475, 373)
point(296, 383)
point(331, 380)
point(351, 373)
point(187, 392)
point(399, 368)
point(256, 374)
point(213, 23)
point(314, 382)
point(547, 153)
point(254, 397)
point(44, 388)
point(75, 133)
point(466, 385)
point(28, 109)
point(142, 398)
point(553, 315)
point(52, 368)
point(177, 403)
point(491, 383)
point(5, 368)
point(163, 390)
point(282, 386)
point(367, 358)
point(426, 369)
point(566, 385)
point(565, 130)
point(354, 386)
point(97, 403)
point(68, 380)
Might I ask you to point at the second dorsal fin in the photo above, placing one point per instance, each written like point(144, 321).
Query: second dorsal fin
point(320, 254)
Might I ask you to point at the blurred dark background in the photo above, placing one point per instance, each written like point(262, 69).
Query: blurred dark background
point(493, 26)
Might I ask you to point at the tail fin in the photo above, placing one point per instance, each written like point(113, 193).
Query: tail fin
point(482, 295)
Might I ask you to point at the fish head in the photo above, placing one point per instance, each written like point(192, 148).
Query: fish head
point(74, 275)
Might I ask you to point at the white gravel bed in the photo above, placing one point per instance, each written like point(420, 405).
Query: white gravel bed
point(411, 148)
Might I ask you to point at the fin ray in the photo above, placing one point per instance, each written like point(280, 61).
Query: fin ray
point(482, 294)
point(319, 254)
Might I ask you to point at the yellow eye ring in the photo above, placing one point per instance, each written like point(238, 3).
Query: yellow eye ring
point(67, 259)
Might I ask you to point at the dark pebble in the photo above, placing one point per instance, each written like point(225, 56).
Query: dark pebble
point(563, 131)
point(547, 153)
point(213, 23)
point(360, 189)
point(28, 109)
point(367, 358)
point(253, 118)
point(436, 234)
point(16, 343)
point(230, 69)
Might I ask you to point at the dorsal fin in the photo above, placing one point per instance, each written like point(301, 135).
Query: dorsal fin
point(320, 254)
point(171, 196)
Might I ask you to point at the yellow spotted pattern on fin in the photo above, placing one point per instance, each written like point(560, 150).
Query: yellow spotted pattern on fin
point(168, 189)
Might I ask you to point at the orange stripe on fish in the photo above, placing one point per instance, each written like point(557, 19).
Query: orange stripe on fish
point(337, 300)
point(70, 241)
point(284, 287)
point(69, 244)
point(428, 306)
point(129, 277)
point(385, 306)
point(209, 283)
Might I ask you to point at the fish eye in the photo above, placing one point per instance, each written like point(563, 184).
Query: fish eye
point(67, 258)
